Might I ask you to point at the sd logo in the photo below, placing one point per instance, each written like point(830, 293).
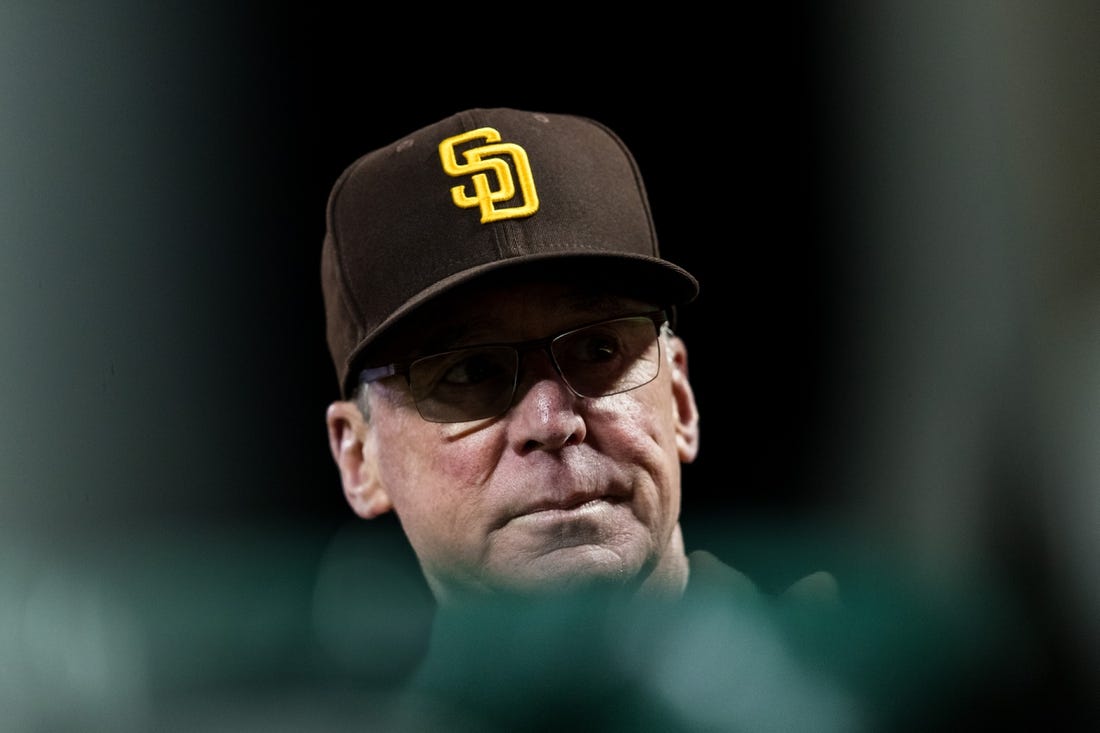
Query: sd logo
point(492, 158)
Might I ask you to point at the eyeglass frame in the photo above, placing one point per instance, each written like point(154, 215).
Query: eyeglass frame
point(659, 317)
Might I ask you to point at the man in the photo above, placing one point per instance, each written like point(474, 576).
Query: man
point(511, 386)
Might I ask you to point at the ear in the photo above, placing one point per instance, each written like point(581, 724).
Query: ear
point(352, 444)
point(683, 399)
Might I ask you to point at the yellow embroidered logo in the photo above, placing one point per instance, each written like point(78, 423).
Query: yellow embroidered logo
point(478, 162)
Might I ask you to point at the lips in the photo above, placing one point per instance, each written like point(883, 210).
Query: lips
point(560, 488)
point(573, 501)
point(569, 503)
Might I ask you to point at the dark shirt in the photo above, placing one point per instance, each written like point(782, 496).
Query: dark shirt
point(719, 658)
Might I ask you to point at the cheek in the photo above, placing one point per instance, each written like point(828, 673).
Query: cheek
point(642, 423)
point(639, 432)
point(426, 466)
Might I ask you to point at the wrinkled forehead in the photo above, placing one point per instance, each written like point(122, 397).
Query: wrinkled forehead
point(506, 311)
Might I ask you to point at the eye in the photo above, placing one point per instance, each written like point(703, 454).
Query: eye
point(596, 347)
point(474, 367)
point(463, 374)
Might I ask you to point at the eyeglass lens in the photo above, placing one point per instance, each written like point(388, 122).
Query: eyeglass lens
point(479, 382)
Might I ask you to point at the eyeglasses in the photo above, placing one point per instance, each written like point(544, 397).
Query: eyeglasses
point(479, 382)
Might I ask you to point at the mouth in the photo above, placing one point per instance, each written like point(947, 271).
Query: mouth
point(574, 504)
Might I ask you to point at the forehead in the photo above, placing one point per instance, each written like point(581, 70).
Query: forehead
point(507, 311)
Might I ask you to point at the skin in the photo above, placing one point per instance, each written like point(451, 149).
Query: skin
point(559, 493)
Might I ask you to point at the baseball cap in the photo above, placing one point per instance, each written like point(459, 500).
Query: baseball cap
point(485, 192)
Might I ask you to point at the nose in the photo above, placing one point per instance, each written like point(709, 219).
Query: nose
point(544, 414)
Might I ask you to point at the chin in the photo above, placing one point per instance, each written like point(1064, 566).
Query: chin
point(572, 570)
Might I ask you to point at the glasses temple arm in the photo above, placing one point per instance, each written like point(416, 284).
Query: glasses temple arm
point(373, 374)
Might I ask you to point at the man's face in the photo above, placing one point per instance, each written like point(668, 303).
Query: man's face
point(558, 492)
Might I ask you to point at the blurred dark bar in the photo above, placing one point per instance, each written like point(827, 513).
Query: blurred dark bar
point(892, 208)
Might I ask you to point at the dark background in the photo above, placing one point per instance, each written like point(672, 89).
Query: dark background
point(184, 156)
point(891, 209)
point(731, 140)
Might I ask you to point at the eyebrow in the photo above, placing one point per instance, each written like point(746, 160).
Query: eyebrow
point(458, 333)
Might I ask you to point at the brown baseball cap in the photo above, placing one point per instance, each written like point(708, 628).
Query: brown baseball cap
point(499, 192)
